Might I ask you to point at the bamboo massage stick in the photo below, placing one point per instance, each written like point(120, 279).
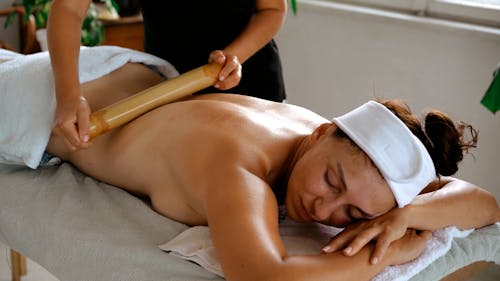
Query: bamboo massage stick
point(165, 92)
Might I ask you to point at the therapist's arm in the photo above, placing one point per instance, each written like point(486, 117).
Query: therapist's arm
point(64, 36)
point(265, 23)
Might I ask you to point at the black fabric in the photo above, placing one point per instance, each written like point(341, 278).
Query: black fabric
point(185, 32)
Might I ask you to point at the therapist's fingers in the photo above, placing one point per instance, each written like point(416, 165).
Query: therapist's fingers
point(66, 129)
point(230, 82)
point(217, 56)
point(230, 75)
point(231, 65)
point(65, 123)
point(68, 144)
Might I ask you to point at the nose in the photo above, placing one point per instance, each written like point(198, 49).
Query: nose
point(322, 208)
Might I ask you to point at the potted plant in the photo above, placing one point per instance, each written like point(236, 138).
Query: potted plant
point(92, 28)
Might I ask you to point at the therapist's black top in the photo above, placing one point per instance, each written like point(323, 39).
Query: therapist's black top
point(184, 33)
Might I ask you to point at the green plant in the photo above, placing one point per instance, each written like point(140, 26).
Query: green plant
point(293, 4)
point(92, 27)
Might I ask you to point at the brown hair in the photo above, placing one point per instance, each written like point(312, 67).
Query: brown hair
point(446, 141)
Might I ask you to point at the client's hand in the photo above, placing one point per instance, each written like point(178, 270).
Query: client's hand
point(409, 247)
point(71, 122)
point(230, 74)
point(384, 229)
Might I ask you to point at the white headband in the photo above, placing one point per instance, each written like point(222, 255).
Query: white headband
point(399, 155)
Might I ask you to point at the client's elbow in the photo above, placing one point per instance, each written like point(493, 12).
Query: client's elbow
point(491, 210)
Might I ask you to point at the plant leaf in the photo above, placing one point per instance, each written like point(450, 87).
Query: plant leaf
point(293, 4)
point(9, 19)
point(491, 99)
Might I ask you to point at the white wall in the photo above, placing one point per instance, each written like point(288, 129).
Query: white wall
point(336, 57)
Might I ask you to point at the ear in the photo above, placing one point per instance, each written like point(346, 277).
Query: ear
point(322, 130)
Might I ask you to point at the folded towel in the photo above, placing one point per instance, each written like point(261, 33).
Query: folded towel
point(195, 244)
point(6, 55)
point(27, 96)
point(437, 246)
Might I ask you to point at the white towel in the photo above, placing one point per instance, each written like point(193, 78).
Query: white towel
point(439, 244)
point(195, 244)
point(27, 96)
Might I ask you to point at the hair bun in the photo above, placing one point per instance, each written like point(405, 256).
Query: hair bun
point(447, 142)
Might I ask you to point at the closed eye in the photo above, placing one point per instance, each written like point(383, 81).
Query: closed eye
point(357, 214)
point(329, 182)
point(351, 213)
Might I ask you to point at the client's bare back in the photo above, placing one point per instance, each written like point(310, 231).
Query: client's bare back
point(169, 153)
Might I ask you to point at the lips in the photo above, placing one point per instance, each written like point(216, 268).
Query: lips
point(304, 214)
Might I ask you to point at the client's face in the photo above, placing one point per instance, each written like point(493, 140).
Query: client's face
point(335, 183)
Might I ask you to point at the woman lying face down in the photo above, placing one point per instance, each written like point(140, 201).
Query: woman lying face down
point(337, 188)
point(228, 161)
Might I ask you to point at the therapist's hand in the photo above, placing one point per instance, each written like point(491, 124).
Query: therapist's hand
point(384, 229)
point(71, 122)
point(230, 74)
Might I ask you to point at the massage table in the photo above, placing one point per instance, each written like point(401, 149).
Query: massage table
point(81, 229)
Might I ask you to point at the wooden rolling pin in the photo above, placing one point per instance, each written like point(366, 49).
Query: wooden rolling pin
point(168, 91)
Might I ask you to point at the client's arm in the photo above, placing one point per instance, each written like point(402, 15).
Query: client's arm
point(243, 219)
point(445, 202)
point(452, 202)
